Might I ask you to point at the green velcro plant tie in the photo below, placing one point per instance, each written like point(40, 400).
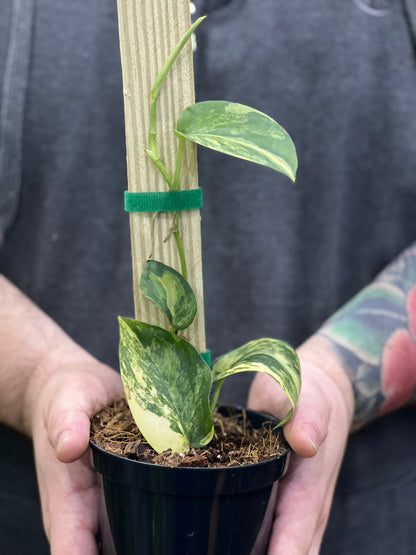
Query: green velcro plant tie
point(164, 201)
point(207, 357)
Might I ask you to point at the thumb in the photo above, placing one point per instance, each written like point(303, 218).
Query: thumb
point(308, 427)
point(324, 397)
point(74, 400)
point(70, 435)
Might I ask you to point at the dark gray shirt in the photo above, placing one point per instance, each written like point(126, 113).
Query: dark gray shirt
point(278, 259)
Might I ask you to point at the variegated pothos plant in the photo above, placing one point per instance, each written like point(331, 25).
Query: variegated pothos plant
point(167, 382)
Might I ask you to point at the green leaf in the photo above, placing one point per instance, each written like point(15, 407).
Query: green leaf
point(271, 356)
point(240, 131)
point(167, 384)
point(170, 292)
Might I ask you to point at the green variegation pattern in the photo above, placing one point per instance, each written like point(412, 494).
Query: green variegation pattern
point(170, 292)
point(239, 131)
point(167, 384)
point(271, 356)
point(166, 380)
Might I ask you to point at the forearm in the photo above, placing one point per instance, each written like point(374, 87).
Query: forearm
point(374, 339)
point(31, 344)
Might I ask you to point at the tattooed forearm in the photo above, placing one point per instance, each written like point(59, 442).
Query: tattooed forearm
point(374, 335)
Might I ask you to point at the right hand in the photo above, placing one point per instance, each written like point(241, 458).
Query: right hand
point(73, 508)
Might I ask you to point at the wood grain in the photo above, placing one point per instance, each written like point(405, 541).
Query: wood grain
point(149, 29)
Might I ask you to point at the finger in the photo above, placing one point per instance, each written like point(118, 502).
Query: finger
point(73, 505)
point(67, 416)
point(72, 508)
point(305, 497)
point(306, 492)
point(77, 519)
point(303, 493)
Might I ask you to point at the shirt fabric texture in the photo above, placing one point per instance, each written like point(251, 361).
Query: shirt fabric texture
point(278, 258)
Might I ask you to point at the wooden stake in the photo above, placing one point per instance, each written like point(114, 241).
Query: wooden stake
point(149, 29)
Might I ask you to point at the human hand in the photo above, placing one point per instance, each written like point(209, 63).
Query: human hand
point(73, 508)
point(317, 433)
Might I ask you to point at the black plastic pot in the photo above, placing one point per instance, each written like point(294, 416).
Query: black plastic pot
point(159, 510)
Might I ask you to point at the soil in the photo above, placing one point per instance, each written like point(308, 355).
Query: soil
point(235, 441)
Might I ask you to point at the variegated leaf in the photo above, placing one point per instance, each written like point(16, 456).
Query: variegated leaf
point(167, 384)
point(271, 356)
point(170, 292)
point(239, 131)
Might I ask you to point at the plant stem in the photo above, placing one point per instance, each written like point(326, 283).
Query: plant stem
point(154, 156)
point(179, 246)
point(214, 399)
point(171, 59)
point(175, 187)
point(152, 151)
point(178, 166)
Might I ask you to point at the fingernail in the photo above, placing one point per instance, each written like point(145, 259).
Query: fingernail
point(310, 434)
point(63, 439)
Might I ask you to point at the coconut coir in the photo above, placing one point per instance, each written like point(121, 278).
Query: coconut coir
point(235, 441)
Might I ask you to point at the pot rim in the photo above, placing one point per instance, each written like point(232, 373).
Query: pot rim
point(145, 464)
point(221, 408)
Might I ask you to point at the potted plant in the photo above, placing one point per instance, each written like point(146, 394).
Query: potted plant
point(170, 387)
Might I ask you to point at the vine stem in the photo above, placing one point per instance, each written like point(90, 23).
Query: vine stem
point(176, 182)
point(175, 187)
point(214, 399)
point(179, 245)
point(153, 151)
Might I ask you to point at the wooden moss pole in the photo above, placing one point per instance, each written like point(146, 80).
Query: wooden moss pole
point(149, 29)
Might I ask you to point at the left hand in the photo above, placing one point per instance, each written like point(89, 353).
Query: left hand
point(318, 433)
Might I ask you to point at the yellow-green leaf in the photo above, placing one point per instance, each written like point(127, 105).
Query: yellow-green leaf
point(171, 292)
point(239, 131)
point(167, 385)
point(271, 356)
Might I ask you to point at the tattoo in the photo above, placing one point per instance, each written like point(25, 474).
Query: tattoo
point(374, 336)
